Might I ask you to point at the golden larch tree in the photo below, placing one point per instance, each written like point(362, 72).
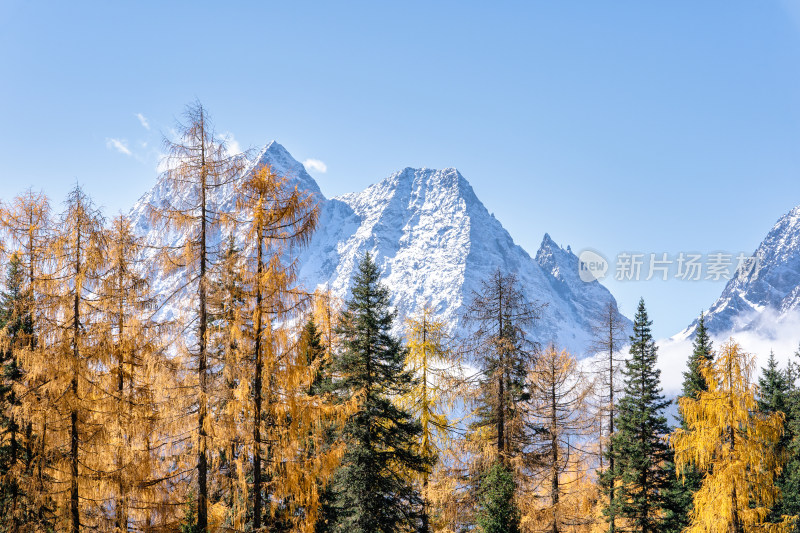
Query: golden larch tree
point(731, 441)
point(430, 398)
point(197, 165)
point(560, 416)
point(326, 312)
point(63, 366)
point(230, 372)
point(136, 379)
point(25, 225)
point(285, 415)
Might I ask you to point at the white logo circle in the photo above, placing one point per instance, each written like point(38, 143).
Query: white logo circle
point(591, 266)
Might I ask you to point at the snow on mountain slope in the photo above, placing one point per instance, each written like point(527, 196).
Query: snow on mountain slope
point(434, 242)
point(759, 299)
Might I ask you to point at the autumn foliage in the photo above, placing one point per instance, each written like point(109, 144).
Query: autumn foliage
point(729, 439)
point(263, 405)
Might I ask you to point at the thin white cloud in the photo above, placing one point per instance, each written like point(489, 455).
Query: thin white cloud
point(143, 120)
point(232, 145)
point(119, 145)
point(315, 165)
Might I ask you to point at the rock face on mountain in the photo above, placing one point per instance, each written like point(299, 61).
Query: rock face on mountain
point(434, 242)
point(762, 295)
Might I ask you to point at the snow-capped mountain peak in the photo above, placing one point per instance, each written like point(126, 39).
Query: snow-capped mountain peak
point(758, 297)
point(284, 164)
point(434, 241)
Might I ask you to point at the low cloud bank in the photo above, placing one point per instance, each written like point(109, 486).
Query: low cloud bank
point(768, 331)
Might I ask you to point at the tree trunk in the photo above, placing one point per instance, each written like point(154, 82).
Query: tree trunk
point(426, 407)
point(425, 520)
point(612, 524)
point(501, 406)
point(202, 459)
point(736, 524)
point(554, 487)
point(75, 519)
point(257, 392)
point(31, 343)
point(501, 417)
point(121, 510)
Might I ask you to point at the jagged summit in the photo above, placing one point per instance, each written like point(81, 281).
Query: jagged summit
point(434, 241)
point(281, 160)
point(549, 244)
point(758, 298)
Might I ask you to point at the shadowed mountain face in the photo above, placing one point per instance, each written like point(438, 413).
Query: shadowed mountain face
point(761, 296)
point(434, 242)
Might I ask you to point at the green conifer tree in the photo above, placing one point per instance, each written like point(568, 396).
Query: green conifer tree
point(789, 480)
point(497, 512)
point(703, 353)
point(641, 454)
point(773, 387)
point(316, 357)
point(776, 395)
point(372, 491)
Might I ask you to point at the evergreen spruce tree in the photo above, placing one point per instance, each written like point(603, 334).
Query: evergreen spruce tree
point(703, 353)
point(372, 491)
point(682, 493)
point(776, 396)
point(497, 512)
point(789, 480)
point(641, 454)
point(773, 386)
point(316, 357)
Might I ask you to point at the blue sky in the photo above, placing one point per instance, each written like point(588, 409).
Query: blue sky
point(618, 126)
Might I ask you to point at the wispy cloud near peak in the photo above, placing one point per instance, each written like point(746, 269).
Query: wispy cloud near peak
point(315, 165)
point(143, 121)
point(231, 144)
point(119, 145)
